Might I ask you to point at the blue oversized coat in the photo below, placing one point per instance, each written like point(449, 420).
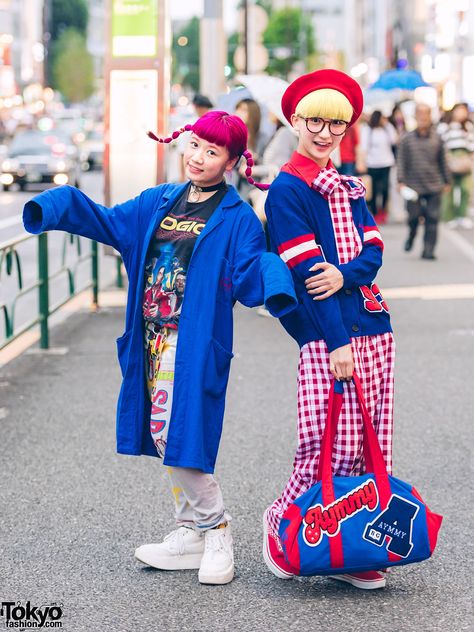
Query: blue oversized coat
point(228, 264)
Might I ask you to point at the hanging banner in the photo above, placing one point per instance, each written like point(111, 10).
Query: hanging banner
point(134, 28)
point(137, 87)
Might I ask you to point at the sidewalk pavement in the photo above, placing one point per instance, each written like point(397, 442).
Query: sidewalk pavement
point(73, 511)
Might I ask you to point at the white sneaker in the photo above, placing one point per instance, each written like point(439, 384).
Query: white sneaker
point(217, 564)
point(466, 222)
point(181, 549)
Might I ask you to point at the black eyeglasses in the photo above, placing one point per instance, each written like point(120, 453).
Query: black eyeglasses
point(316, 124)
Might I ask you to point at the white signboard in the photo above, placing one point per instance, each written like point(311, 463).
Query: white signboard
point(133, 111)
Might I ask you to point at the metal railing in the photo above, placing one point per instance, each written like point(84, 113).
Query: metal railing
point(10, 264)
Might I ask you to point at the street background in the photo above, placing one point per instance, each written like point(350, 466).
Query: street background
point(73, 511)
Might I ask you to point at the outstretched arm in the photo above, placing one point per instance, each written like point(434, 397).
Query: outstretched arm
point(68, 209)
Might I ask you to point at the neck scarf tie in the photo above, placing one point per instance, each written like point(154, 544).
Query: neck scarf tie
point(337, 190)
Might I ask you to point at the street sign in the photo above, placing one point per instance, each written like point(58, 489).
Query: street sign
point(136, 96)
point(134, 28)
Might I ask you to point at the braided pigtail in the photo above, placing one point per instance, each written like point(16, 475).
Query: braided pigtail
point(248, 172)
point(174, 135)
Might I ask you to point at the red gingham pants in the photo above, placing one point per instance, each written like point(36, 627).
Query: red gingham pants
point(374, 359)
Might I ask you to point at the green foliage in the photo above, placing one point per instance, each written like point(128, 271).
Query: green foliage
point(68, 14)
point(232, 42)
point(237, 39)
point(185, 59)
point(289, 37)
point(64, 14)
point(73, 68)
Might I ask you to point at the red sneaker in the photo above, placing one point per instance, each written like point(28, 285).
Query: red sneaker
point(273, 553)
point(381, 217)
point(368, 580)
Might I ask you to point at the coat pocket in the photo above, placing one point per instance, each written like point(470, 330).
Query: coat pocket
point(123, 350)
point(216, 374)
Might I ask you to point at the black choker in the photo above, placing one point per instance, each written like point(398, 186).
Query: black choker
point(195, 191)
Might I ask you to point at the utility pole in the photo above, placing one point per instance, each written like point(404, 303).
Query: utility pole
point(136, 96)
point(246, 37)
point(213, 50)
point(47, 23)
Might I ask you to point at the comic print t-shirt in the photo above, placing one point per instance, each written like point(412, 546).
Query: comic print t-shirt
point(168, 259)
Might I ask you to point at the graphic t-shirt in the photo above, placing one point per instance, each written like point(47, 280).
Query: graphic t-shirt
point(168, 259)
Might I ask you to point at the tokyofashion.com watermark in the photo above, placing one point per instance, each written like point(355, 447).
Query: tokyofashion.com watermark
point(24, 616)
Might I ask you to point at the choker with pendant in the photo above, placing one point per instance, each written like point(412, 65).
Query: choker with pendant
point(195, 191)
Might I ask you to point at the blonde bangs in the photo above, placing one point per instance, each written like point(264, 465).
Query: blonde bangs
point(325, 103)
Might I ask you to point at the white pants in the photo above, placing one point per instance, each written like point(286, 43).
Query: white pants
point(198, 498)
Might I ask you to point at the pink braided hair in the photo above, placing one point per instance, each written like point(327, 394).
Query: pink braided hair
point(222, 129)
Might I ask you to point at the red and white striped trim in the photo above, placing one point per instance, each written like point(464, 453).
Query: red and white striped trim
point(372, 236)
point(299, 249)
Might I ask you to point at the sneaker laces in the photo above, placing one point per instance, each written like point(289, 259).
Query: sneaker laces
point(176, 541)
point(216, 542)
point(273, 535)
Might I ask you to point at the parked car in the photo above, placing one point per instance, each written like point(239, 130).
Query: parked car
point(38, 157)
point(92, 150)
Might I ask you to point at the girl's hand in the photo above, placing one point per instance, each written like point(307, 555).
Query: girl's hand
point(341, 363)
point(326, 283)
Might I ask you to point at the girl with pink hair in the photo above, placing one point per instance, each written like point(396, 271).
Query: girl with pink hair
point(190, 250)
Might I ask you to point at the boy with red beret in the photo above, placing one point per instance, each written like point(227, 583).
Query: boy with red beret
point(319, 223)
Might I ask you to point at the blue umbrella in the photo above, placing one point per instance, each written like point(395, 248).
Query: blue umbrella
point(399, 79)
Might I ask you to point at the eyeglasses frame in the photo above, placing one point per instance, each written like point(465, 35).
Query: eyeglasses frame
point(325, 122)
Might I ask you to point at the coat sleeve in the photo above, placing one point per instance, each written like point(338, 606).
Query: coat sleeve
point(295, 241)
point(363, 269)
point(258, 276)
point(68, 209)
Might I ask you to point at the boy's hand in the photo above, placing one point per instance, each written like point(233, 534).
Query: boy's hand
point(341, 363)
point(326, 283)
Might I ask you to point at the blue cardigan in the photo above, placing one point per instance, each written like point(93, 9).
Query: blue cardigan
point(302, 233)
point(228, 264)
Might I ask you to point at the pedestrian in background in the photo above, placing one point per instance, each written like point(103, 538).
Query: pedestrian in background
point(457, 133)
point(321, 227)
point(378, 139)
point(277, 152)
point(422, 167)
point(397, 120)
point(348, 151)
point(397, 203)
point(190, 252)
point(248, 110)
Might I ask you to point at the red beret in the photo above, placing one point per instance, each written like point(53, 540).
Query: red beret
point(318, 80)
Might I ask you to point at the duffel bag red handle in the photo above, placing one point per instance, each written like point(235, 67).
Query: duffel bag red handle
point(373, 456)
